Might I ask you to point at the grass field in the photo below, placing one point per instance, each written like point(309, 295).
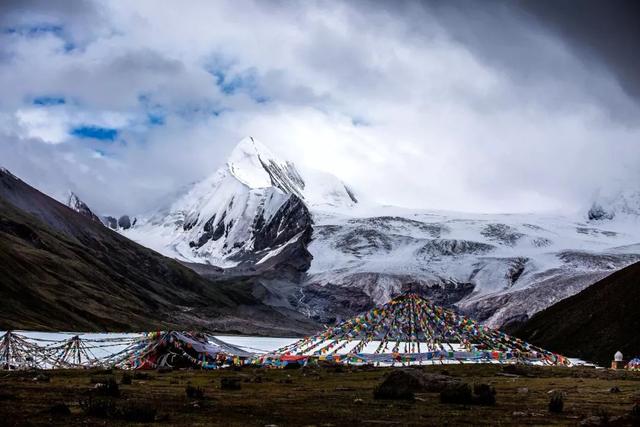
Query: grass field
point(326, 396)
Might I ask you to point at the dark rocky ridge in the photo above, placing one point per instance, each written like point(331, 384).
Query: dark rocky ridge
point(594, 323)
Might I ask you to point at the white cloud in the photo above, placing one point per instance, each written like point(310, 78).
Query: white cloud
point(411, 106)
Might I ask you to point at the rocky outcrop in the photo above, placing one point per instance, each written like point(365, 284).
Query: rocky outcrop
point(598, 213)
point(450, 247)
point(118, 224)
point(502, 233)
point(74, 202)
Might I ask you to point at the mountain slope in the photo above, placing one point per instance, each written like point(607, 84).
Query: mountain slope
point(496, 268)
point(60, 270)
point(594, 323)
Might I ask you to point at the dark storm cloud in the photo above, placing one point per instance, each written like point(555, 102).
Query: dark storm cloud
point(607, 31)
point(12, 11)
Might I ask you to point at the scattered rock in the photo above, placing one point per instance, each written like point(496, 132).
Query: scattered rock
point(480, 394)
point(484, 394)
point(457, 393)
point(42, 378)
point(519, 414)
point(396, 386)
point(523, 390)
point(108, 388)
point(358, 401)
point(403, 383)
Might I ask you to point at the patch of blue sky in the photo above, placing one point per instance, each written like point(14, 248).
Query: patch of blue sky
point(245, 82)
point(95, 132)
point(156, 113)
point(49, 100)
point(41, 30)
point(200, 110)
point(155, 119)
point(35, 30)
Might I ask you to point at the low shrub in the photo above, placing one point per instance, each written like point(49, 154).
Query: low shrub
point(99, 407)
point(126, 379)
point(556, 402)
point(108, 388)
point(137, 375)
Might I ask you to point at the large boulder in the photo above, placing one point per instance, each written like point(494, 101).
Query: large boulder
point(404, 383)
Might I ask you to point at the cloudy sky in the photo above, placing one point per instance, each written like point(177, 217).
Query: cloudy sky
point(476, 106)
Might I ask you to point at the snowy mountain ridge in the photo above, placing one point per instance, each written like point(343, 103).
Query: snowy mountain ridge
point(259, 212)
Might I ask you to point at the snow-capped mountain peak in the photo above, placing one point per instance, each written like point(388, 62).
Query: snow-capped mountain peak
point(252, 205)
point(254, 165)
